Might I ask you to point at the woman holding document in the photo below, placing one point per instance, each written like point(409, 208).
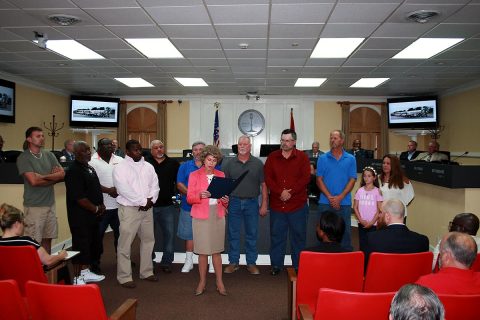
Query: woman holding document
point(208, 216)
point(12, 224)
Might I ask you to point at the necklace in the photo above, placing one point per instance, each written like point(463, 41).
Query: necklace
point(36, 155)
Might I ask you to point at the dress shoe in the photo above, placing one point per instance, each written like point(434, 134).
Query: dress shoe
point(151, 278)
point(253, 269)
point(231, 268)
point(166, 269)
point(128, 284)
point(222, 292)
point(199, 293)
point(275, 271)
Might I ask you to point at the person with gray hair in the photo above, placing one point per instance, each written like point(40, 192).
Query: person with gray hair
point(67, 151)
point(315, 152)
point(395, 237)
point(415, 302)
point(458, 251)
point(432, 155)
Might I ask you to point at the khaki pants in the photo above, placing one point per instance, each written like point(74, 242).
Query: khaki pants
point(133, 222)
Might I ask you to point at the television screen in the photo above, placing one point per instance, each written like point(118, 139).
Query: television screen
point(413, 113)
point(7, 101)
point(86, 111)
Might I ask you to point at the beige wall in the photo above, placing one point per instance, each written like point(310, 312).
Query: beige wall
point(178, 116)
point(328, 117)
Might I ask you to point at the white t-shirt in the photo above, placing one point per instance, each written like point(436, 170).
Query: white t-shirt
point(405, 195)
point(105, 175)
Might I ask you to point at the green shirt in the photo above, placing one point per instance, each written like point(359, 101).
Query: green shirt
point(37, 196)
point(250, 185)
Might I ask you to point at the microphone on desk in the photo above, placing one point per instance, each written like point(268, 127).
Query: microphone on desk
point(453, 160)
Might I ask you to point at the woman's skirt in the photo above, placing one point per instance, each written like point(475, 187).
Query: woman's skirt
point(209, 234)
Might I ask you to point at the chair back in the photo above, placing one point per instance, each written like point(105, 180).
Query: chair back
point(21, 264)
point(57, 302)
point(461, 307)
point(346, 305)
point(12, 305)
point(389, 271)
point(341, 271)
point(476, 264)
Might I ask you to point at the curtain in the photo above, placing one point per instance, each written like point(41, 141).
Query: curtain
point(384, 130)
point(122, 126)
point(162, 122)
point(345, 105)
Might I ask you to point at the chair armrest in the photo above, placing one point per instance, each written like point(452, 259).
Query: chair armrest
point(292, 293)
point(127, 311)
point(305, 313)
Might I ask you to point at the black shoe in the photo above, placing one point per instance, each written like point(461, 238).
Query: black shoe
point(275, 271)
point(166, 269)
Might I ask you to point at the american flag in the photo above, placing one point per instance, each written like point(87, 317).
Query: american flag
point(216, 130)
point(292, 122)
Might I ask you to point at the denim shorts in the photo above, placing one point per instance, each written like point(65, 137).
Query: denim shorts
point(185, 225)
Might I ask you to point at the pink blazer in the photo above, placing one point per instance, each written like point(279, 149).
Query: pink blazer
point(198, 182)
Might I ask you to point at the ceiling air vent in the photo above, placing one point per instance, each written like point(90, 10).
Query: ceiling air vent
point(422, 16)
point(64, 20)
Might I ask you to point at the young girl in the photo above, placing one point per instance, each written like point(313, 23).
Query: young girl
point(367, 205)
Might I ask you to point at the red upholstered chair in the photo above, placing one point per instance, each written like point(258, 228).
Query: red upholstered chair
point(12, 305)
point(408, 268)
point(346, 305)
point(342, 271)
point(476, 264)
point(21, 264)
point(84, 302)
point(461, 307)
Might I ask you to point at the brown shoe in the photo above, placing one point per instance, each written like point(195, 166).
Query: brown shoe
point(231, 268)
point(151, 278)
point(253, 269)
point(128, 284)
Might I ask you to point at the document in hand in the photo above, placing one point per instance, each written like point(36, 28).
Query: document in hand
point(220, 187)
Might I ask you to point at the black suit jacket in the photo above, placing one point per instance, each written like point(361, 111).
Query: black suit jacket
point(396, 238)
point(404, 155)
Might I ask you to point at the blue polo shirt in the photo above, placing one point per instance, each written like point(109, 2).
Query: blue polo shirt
point(182, 176)
point(336, 174)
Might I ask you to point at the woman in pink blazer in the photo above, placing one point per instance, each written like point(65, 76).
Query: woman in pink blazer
point(208, 219)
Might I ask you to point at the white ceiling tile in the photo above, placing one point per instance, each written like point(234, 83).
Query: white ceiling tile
point(402, 30)
point(127, 32)
point(292, 43)
point(6, 5)
point(105, 44)
point(42, 55)
point(470, 44)
point(30, 4)
point(28, 34)
point(179, 15)
point(305, 13)
point(247, 62)
point(387, 54)
point(348, 30)
point(120, 17)
point(19, 46)
point(287, 54)
point(171, 62)
point(283, 71)
point(43, 14)
point(86, 32)
point(238, 14)
point(325, 62)
point(450, 30)
point(456, 54)
point(189, 31)
point(242, 31)
point(358, 62)
point(6, 35)
point(160, 3)
point(224, 2)
point(387, 43)
point(445, 10)
point(295, 30)
point(250, 53)
point(209, 62)
point(198, 44)
point(319, 70)
point(133, 62)
point(363, 12)
point(106, 3)
point(232, 44)
point(468, 14)
point(285, 62)
point(120, 54)
point(5, 57)
point(17, 18)
point(217, 54)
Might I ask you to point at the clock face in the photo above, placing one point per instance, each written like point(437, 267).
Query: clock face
point(251, 122)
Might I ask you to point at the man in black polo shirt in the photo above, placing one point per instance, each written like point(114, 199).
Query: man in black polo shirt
point(163, 210)
point(243, 205)
point(84, 207)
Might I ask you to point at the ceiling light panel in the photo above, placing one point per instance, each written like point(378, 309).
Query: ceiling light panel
point(72, 50)
point(369, 82)
point(309, 82)
point(335, 47)
point(156, 48)
point(192, 82)
point(425, 48)
point(135, 82)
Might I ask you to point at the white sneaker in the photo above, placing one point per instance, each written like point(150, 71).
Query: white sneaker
point(78, 281)
point(211, 269)
point(188, 266)
point(89, 276)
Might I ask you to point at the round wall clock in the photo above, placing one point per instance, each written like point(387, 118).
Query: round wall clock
point(251, 122)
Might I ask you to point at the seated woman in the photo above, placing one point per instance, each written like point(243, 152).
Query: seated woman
point(11, 222)
point(330, 232)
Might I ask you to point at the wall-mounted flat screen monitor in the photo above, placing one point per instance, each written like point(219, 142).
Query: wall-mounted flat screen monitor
point(413, 112)
point(94, 112)
point(266, 149)
point(7, 101)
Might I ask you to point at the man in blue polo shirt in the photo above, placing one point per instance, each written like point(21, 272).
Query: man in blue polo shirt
point(336, 175)
point(185, 220)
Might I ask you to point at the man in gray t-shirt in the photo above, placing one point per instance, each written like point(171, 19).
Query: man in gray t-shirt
point(243, 205)
point(40, 171)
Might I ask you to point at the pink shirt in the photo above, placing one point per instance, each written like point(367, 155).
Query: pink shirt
point(197, 182)
point(368, 202)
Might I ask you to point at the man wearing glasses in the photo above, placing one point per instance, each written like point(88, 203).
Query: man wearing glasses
point(287, 174)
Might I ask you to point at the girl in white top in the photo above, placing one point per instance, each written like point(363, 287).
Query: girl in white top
point(393, 182)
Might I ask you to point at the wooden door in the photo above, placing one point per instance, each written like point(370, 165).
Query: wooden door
point(365, 124)
point(142, 126)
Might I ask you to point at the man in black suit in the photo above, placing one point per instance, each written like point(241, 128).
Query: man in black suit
point(395, 237)
point(67, 151)
point(411, 153)
point(357, 150)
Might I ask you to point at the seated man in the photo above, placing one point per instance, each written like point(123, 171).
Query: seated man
point(315, 152)
point(67, 151)
point(458, 251)
point(395, 237)
point(411, 152)
point(330, 232)
point(432, 155)
point(463, 222)
point(357, 150)
point(416, 302)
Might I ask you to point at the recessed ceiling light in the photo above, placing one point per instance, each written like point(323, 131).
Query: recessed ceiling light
point(135, 82)
point(335, 47)
point(243, 45)
point(309, 82)
point(295, 44)
point(72, 50)
point(422, 16)
point(64, 20)
point(284, 70)
point(212, 70)
point(369, 82)
point(156, 48)
point(192, 82)
point(425, 48)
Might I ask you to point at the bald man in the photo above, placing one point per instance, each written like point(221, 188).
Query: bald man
point(432, 155)
point(458, 251)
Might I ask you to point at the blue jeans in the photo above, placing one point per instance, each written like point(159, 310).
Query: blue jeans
point(109, 218)
point(164, 224)
point(280, 224)
point(246, 210)
point(345, 212)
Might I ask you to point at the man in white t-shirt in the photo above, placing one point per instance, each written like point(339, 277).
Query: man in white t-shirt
point(103, 162)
